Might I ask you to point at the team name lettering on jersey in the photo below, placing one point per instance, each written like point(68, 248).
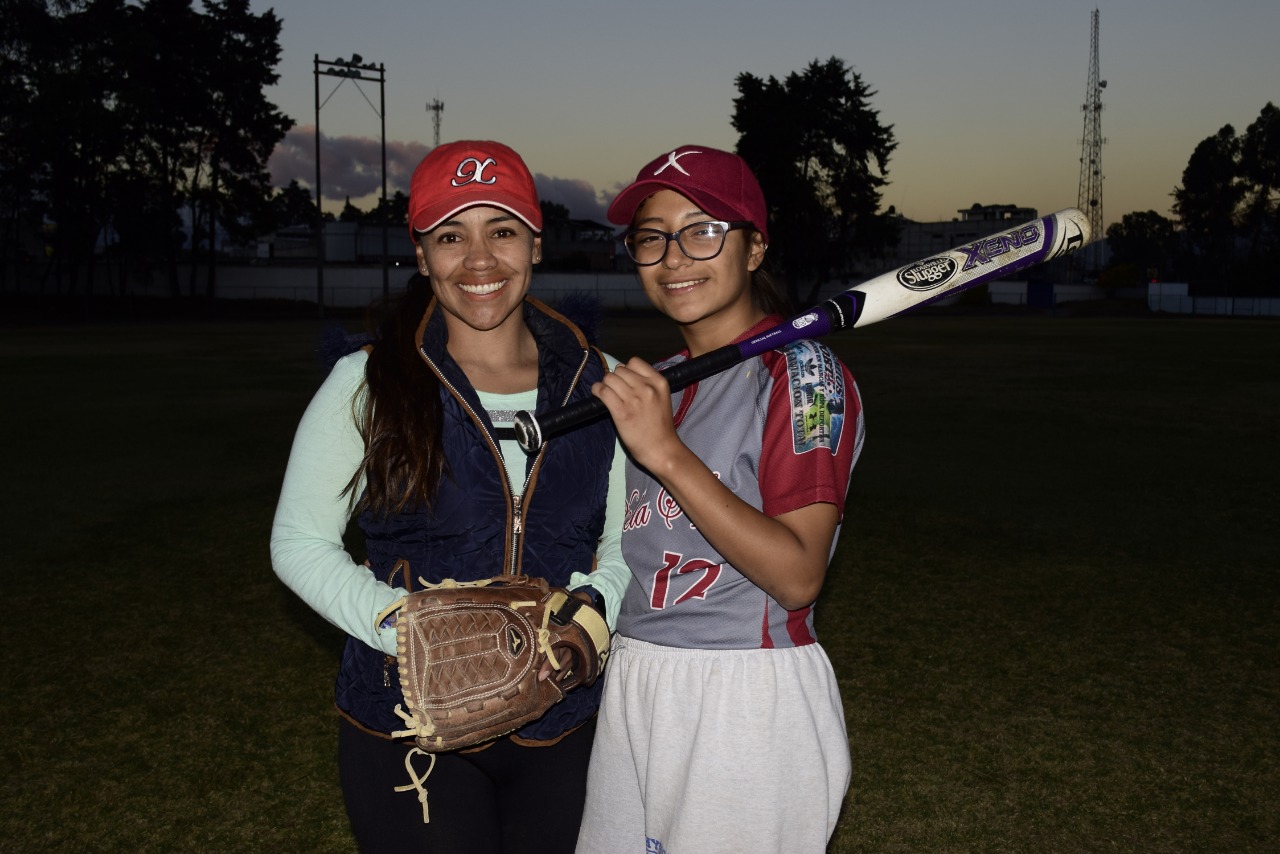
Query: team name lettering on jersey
point(637, 512)
point(668, 509)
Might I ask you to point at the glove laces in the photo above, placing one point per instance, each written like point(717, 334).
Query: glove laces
point(415, 782)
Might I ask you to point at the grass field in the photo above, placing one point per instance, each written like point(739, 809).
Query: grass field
point(1053, 610)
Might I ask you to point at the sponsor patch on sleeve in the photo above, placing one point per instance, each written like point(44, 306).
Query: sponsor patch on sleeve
point(817, 397)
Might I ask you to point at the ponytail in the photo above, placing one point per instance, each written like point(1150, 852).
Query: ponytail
point(399, 414)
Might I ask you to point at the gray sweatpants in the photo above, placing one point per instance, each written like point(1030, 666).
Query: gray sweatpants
point(707, 751)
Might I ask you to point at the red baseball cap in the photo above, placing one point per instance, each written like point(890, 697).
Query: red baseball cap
point(463, 174)
point(717, 181)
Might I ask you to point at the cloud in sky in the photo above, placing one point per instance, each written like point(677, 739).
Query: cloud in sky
point(350, 168)
point(579, 196)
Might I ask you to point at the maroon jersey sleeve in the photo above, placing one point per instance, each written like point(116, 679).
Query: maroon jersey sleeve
point(813, 429)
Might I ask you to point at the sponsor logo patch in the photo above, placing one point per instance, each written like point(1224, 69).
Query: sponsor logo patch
point(817, 397)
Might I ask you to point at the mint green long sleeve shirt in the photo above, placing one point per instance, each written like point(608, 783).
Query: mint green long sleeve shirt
point(307, 551)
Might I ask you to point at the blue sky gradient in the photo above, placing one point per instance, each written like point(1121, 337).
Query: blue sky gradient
point(985, 99)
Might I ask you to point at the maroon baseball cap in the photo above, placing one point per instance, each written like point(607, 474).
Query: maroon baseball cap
point(463, 174)
point(717, 181)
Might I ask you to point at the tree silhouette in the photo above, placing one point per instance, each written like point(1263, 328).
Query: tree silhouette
point(58, 138)
point(1229, 208)
point(553, 213)
point(239, 127)
point(1207, 200)
point(1260, 169)
point(351, 213)
point(119, 115)
point(394, 213)
point(293, 205)
point(821, 155)
point(1145, 241)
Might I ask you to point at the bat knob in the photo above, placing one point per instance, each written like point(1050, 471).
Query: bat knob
point(528, 433)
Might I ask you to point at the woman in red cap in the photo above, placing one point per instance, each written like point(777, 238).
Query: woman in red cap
point(721, 729)
point(412, 435)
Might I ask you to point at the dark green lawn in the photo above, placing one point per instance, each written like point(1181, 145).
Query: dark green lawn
point(1053, 609)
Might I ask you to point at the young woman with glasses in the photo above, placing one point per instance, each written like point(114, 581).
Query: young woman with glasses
point(721, 728)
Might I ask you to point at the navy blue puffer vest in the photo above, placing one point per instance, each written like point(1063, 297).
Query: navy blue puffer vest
point(475, 529)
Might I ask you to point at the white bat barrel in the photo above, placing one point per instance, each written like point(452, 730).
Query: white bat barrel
point(992, 257)
point(911, 286)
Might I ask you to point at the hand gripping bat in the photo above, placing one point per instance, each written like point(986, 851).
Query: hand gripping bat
point(908, 287)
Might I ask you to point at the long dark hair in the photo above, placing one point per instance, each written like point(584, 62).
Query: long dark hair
point(398, 413)
point(770, 296)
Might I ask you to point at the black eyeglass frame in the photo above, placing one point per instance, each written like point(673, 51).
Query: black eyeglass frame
point(731, 225)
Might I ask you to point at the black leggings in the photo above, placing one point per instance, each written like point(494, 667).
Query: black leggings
point(505, 799)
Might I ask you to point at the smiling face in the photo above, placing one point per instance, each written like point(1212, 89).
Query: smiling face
point(480, 263)
point(710, 299)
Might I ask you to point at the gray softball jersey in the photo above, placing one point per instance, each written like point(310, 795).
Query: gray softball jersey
point(782, 430)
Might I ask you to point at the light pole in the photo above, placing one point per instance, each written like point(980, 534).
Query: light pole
point(350, 69)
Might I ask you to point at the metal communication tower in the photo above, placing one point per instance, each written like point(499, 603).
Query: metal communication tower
point(1090, 196)
point(436, 107)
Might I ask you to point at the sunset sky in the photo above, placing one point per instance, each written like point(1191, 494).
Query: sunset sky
point(984, 99)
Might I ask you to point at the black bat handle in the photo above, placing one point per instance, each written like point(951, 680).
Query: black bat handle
point(532, 431)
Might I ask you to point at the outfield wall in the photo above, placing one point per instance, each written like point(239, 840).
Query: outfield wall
point(355, 287)
point(348, 286)
point(1174, 298)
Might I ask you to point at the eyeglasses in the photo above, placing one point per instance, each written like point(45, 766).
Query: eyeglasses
point(701, 241)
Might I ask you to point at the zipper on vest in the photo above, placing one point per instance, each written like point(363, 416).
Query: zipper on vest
point(517, 527)
point(517, 511)
point(517, 501)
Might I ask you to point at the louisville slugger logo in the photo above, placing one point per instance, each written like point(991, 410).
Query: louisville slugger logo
point(928, 274)
point(984, 251)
